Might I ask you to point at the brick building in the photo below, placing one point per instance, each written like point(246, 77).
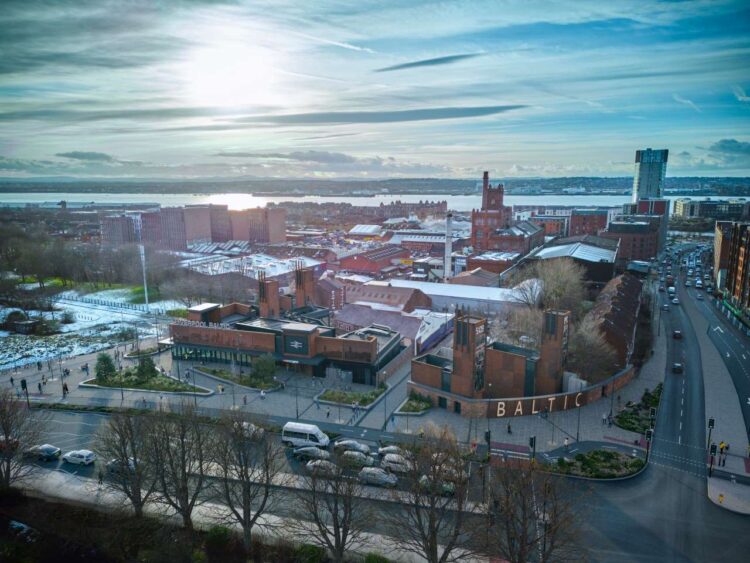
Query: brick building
point(553, 225)
point(495, 262)
point(119, 229)
point(373, 261)
point(522, 237)
point(722, 242)
point(151, 228)
point(262, 225)
point(492, 217)
point(479, 369)
point(405, 299)
point(738, 269)
point(587, 221)
point(639, 237)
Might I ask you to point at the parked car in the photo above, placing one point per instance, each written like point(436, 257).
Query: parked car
point(677, 367)
point(121, 466)
point(45, 452)
point(321, 467)
point(80, 457)
point(677, 334)
point(377, 476)
point(391, 450)
point(396, 463)
point(352, 445)
point(308, 453)
point(445, 488)
point(350, 458)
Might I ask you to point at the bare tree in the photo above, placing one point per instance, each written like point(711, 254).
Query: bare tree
point(433, 516)
point(589, 354)
point(178, 449)
point(124, 440)
point(20, 428)
point(331, 510)
point(562, 284)
point(523, 327)
point(533, 516)
point(249, 463)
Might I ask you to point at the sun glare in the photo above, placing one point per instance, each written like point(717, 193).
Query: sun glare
point(232, 74)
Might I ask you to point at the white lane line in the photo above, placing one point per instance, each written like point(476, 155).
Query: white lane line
point(682, 401)
point(679, 440)
point(680, 426)
point(680, 413)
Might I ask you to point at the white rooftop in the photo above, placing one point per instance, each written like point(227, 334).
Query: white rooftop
point(579, 250)
point(366, 230)
point(458, 291)
point(248, 266)
point(498, 256)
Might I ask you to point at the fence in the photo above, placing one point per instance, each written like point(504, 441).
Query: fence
point(116, 304)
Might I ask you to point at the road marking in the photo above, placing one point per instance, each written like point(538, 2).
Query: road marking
point(728, 355)
point(680, 426)
point(680, 417)
point(679, 440)
point(743, 357)
point(718, 329)
point(682, 401)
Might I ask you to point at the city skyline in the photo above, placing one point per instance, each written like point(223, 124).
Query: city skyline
point(446, 90)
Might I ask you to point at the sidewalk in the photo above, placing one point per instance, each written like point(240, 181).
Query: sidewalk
point(67, 487)
point(722, 402)
point(729, 495)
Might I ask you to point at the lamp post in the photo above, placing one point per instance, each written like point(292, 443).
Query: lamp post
point(578, 428)
point(296, 399)
point(385, 408)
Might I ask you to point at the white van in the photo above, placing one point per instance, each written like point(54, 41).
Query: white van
point(297, 434)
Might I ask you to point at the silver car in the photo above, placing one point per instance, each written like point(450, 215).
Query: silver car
point(306, 453)
point(377, 476)
point(397, 463)
point(351, 458)
point(321, 467)
point(352, 445)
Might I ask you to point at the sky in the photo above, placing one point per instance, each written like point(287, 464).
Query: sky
point(372, 89)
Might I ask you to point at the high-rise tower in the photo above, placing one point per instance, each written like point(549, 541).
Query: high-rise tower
point(650, 171)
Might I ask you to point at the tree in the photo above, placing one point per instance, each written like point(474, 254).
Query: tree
point(20, 428)
point(105, 367)
point(249, 463)
point(562, 284)
point(264, 366)
point(523, 327)
point(146, 368)
point(124, 439)
point(433, 519)
point(178, 447)
point(331, 511)
point(532, 516)
point(589, 354)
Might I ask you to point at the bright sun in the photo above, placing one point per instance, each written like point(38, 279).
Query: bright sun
point(232, 74)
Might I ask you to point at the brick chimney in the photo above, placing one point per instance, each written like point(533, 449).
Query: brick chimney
point(268, 297)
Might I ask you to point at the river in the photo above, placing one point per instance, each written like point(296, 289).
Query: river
point(244, 200)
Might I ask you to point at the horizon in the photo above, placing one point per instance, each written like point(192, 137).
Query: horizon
point(258, 90)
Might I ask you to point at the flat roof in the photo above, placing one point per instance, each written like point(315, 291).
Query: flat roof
point(457, 291)
point(203, 307)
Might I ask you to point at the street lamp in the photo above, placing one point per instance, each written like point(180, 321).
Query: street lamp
point(296, 399)
point(385, 401)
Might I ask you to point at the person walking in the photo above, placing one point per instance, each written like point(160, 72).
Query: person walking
point(328, 412)
point(510, 430)
point(12, 381)
point(65, 389)
point(39, 386)
point(244, 400)
point(317, 402)
point(565, 444)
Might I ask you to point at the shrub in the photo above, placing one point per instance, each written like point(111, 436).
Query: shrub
point(264, 367)
point(308, 553)
point(68, 317)
point(218, 538)
point(376, 558)
point(105, 367)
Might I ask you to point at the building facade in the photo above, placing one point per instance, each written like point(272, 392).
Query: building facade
point(650, 173)
point(639, 237)
point(722, 242)
point(374, 260)
point(587, 221)
point(493, 215)
point(118, 230)
point(738, 269)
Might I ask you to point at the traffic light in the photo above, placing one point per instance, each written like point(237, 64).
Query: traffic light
point(652, 412)
point(713, 449)
point(711, 422)
point(649, 435)
point(532, 442)
point(23, 384)
point(487, 436)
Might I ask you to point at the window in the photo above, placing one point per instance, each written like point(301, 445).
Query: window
point(442, 403)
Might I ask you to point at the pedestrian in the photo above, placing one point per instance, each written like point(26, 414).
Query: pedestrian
point(510, 430)
point(262, 394)
point(244, 400)
point(12, 381)
point(565, 444)
point(101, 477)
point(65, 390)
point(604, 419)
point(39, 386)
point(328, 412)
point(317, 402)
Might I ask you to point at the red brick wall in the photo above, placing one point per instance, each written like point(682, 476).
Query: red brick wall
point(581, 224)
point(426, 374)
point(222, 338)
point(365, 351)
point(506, 372)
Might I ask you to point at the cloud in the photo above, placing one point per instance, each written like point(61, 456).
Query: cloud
point(300, 156)
point(88, 156)
point(395, 116)
point(739, 93)
point(685, 101)
point(430, 62)
point(731, 147)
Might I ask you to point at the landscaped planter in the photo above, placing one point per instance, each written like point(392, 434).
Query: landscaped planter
point(233, 382)
point(144, 354)
point(91, 384)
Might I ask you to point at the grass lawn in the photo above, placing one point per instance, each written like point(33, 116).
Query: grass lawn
point(599, 464)
point(178, 313)
point(247, 379)
point(138, 295)
point(636, 416)
point(348, 397)
point(156, 383)
point(416, 403)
